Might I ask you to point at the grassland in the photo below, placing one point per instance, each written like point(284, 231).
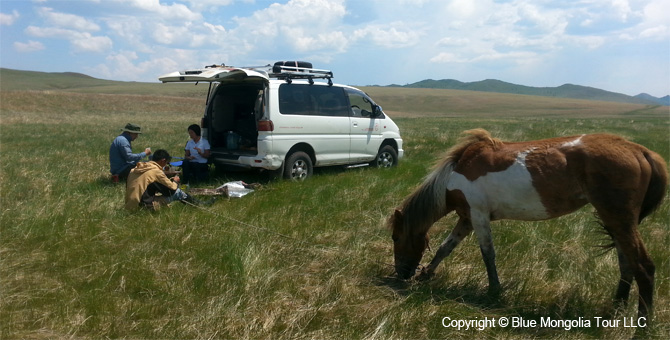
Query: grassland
point(291, 260)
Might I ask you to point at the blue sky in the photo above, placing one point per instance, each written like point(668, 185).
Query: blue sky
point(616, 45)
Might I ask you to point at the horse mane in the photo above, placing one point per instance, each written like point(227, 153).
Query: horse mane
point(466, 139)
point(428, 203)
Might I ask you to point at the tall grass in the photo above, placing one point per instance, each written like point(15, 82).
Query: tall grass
point(291, 260)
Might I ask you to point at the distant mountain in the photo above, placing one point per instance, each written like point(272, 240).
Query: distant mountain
point(663, 101)
point(563, 91)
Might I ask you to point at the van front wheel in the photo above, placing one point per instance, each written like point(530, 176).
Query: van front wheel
point(298, 166)
point(386, 157)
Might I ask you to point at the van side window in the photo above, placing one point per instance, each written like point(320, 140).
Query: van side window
point(312, 100)
point(361, 105)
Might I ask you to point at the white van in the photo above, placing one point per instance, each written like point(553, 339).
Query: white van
point(279, 118)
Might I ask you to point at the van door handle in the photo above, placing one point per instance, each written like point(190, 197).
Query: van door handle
point(355, 124)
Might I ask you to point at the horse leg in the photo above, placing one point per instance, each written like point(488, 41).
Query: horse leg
point(462, 229)
point(618, 193)
point(643, 270)
point(636, 261)
point(623, 291)
point(482, 227)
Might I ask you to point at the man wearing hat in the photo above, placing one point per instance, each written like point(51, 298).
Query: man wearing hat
point(121, 156)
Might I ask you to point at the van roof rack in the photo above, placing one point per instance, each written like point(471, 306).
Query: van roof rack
point(289, 73)
point(285, 72)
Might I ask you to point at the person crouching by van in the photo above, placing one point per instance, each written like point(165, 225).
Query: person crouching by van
point(196, 153)
point(147, 179)
point(121, 156)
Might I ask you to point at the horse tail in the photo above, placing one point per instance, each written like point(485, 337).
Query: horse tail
point(657, 186)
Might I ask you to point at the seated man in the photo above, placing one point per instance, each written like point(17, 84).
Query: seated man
point(121, 156)
point(147, 179)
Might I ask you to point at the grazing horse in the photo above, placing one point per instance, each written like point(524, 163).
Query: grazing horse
point(484, 179)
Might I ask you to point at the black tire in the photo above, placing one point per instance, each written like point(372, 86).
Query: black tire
point(386, 157)
point(298, 166)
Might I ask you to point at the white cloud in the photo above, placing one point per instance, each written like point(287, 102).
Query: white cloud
point(214, 28)
point(164, 34)
point(30, 46)
point(303, 17)
point(89, 43)
point(447, 57)
point(50, 32)
point(655, 24)
point(208, 5)
point(517, 57)
point(125, 65)
point(130, 30)
point(67, 20)
point(656, 33)
point(622, 9)
point(390, 36)
point(80, 41)
point(452, 42)
point(656, 12)
point(590, 42)
point(8, 19)
point(187, 35)
point(173, 11)
point(334, 41)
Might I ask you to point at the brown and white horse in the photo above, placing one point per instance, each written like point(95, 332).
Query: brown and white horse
point(484, 179)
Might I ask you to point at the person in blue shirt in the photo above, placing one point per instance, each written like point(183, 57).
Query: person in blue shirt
point(121, 156)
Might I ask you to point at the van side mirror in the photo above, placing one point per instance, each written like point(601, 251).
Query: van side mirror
point(377, 111)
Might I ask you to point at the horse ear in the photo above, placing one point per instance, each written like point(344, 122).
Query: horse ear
point(397, 214)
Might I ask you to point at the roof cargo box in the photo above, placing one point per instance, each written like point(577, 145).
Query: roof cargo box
point(296, 66)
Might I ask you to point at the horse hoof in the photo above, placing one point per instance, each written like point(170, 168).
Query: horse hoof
point(424, 275)
point(495, 291)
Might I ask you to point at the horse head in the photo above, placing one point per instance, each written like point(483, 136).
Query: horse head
point(408, 246)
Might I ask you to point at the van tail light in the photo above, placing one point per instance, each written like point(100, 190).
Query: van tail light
point(265, 125)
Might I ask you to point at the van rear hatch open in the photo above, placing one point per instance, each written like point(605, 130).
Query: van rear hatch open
point(232, 114)
point(211, 74)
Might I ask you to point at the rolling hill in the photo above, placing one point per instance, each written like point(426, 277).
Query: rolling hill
point(563, 91)
point(18, 80)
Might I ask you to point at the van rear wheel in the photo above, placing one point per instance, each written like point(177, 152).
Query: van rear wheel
point(386, 157)
point(298, 166)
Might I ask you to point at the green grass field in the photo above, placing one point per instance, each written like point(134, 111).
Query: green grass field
point(291, 260)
